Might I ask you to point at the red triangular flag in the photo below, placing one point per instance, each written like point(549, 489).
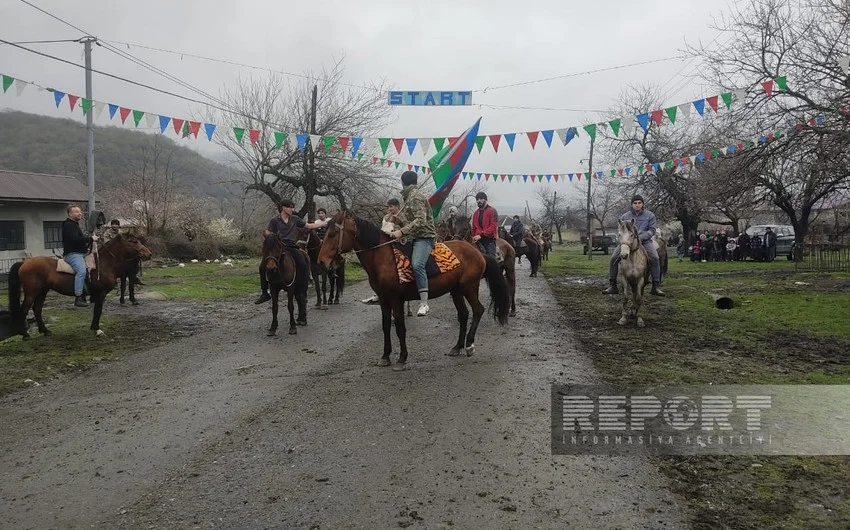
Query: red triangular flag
point(740, 147)
point(374, 159)
point(178, 124)
point(556, 177)
point(195, 127)
point(254, 135)
point(712, 101)
point(72, 100)
point(398, 143)
point(578, 176)
point(494, 139)
point(343, 142)
point(533, 177)
point(124, 113)
point(532, 137)
point(389, 163)
point(486, 176)
point(648, 167)
point(657, 116)
point(410, 167)
point(503, 177)
point(768, 87)
point(620, 171)
point(707, 155)
point(452, 139)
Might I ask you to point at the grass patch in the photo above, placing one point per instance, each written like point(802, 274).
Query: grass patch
point(787, 328)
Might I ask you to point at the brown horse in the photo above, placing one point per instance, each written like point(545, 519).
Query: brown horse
point(463, 232)
point(281, 271)
point(37, 276)
point(547, 246)
point(531, 250)
point(348, 232)
point(662, 255)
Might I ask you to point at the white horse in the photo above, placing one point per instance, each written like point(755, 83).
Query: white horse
point(634, 271)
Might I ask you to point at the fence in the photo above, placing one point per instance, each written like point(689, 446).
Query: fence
point(5, 265)
point(823, 257)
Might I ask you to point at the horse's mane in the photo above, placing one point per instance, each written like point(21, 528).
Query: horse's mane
point(368, 232)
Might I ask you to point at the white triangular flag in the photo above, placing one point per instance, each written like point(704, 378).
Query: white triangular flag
point(316, 140)
point(628, 125)
point(425, 144)
point(844, 63)
point(151, 120)
point(725, 151)
point(97, 108)
point(20, 86)
point(562, 134)
point(740, 94)
point(371, 146)
point(292, 142)
point(685, 110)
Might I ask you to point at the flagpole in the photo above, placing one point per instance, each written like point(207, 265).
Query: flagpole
point(589, 217)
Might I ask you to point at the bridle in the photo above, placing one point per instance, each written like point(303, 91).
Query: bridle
point(277, 260)
point(341, 228)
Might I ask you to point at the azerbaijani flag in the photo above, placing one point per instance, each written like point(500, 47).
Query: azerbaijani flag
point(447, 165)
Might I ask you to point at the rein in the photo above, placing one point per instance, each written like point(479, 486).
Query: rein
point(341, 228)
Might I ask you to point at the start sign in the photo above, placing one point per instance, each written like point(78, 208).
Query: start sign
point(430, 98)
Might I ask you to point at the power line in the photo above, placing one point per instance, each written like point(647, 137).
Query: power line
point(45, 41)
point(51, 15)
point(503, 107)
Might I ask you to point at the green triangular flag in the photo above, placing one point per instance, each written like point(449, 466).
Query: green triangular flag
point(438, 143)
point(137, 116)
point(328, 141)
point(587, 174)
point(510, 178)
point(7, 82)
point(383, 161)
point(748, 144)
point(86, 106)
point(239, 132)
point(613, 172)
point(668, 164)
point(727, 99)
point(591, 130)
point(671, 113)
point(396, 165)
point(185, 132)
point(479, 142)
point(615, 126)
point(715, 153)
point(359, 156)
point(782, 83)
point(279, 137)
point(385, 142)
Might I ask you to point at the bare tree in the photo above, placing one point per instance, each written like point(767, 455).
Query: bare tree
point(607, 199)
point(556, 211)
point(270, 105)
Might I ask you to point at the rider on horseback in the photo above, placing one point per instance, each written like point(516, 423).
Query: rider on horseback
point(485, 225)
point(517, 232)
point(388, 226)
point(286, 227)
point(416, 222)
point(74, 248)
point(646, 226)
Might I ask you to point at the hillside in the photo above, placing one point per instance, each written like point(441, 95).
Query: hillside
point(40, 144)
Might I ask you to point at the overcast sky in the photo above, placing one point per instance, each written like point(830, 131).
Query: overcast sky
point(422, 45)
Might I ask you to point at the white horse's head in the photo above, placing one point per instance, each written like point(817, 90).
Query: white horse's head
point(628, 237)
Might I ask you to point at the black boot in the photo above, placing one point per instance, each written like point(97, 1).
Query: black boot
point(656, 290)
point(265, 297)
point(612, 288)
point(80, 302)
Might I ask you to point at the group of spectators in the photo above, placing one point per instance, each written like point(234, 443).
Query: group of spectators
point(722, 246)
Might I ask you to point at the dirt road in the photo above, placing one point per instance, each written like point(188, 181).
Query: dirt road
point(231, 429)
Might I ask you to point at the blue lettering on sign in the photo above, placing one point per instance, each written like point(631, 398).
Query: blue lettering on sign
point(430, 98)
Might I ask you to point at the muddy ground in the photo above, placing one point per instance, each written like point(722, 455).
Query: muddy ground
point(219, 426)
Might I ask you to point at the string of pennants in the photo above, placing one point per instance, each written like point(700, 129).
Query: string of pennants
point(184, 127)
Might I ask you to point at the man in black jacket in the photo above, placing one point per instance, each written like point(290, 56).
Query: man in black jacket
point(74, 248)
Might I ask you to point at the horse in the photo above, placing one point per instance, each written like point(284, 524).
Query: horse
point(8, 327)
point(547, 246)
point(128, 277)
point(531, 250)
point(661, 246)
point(634, 270)
point(37, 276)
point(335, 275)
point(281, 270)
point(462, 231)
point(348, 232)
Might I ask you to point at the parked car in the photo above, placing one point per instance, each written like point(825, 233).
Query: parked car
point(784, 238)
point(600, 243)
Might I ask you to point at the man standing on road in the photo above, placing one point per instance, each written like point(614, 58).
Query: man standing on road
point(74, 248)
point(646, 225)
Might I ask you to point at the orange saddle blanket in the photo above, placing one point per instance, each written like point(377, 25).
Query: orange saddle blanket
point(441, 260)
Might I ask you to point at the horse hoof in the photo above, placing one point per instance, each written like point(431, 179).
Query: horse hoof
point(26, 336)
point(399, 367)
point(46, 332)
point(384, 361)
point(271, 333)
point(336, 302)
point(640, 323)
point(301, 322)
point(622, 321)
point(99, 333)
point(317, 306)
point(293, 331)
point(121, 302)
point(470, 350)
point(512, 313)
point(325, 308)
point(454, 352)
point(409, 313)
point(134, 302)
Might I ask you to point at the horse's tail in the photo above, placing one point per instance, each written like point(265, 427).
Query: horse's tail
point(15, 292)
point(501, 298)
point(533, 256)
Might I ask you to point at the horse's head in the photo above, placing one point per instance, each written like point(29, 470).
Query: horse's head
point(339, 239)
point(628, 237)
point(272, 252)
point(130, 246)
point(461, 228)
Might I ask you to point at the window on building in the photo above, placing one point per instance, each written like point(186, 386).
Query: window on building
point(12, 236)
point(52, 234)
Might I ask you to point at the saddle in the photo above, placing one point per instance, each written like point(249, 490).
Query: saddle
point(499, 257)
point(441, 261)
point(62, 265)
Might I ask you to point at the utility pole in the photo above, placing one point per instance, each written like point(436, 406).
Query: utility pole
point(589, 217)
point(87, 42)
point(553, 218)
point(310, 189)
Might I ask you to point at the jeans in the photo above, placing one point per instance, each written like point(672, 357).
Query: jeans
point(654, 262)
point(77, 262)
point(421, 250)
point(489, 245)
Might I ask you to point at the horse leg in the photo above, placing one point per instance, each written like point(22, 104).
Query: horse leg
point(401, 332)
point(37, 306)
point(132, 283)
point(638, 302)
point(275, 292)
point(98, 298)
point(315, 272)
point(471, 295)
point(510, 278)
point(386, 325)
point(291, 298)
point(624, 289)
point(29, 300)
point(123, 287)
point(462, 318)
point(325, 297)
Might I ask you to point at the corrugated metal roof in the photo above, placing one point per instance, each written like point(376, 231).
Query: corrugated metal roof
point(23, 186)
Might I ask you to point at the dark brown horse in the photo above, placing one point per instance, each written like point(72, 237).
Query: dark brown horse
point(463, 232)
point(347, 232)
point(335, 276)
point(547, 246)
point(530, 250)
point(37, 276)
point(282, 274)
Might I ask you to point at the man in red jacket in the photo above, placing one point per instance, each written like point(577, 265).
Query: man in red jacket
point(485, 224)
